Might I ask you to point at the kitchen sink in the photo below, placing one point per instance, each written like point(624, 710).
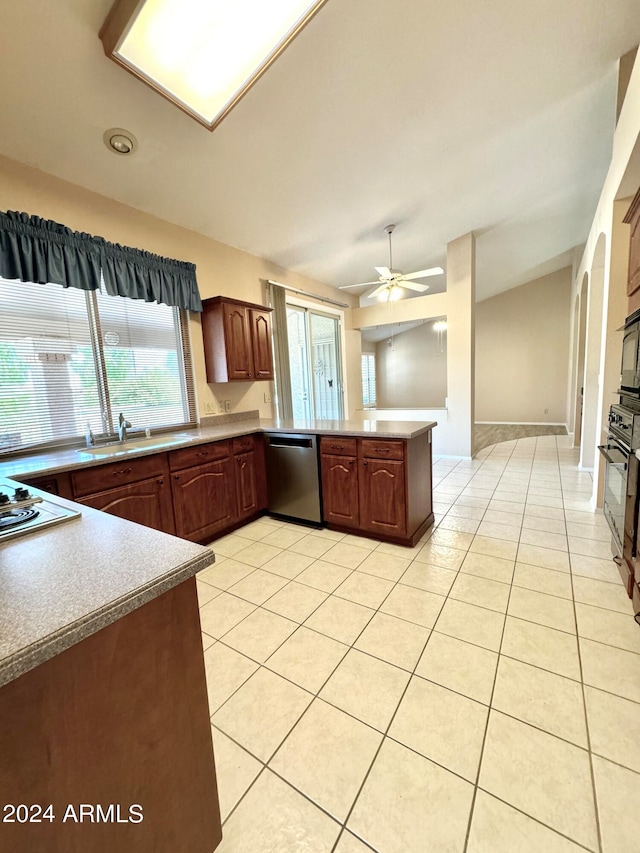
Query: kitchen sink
point(115, 448)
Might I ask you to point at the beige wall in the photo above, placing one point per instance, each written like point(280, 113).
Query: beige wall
point(221, 269)
point(457, 304)
point(413, 372)
point(522, 352)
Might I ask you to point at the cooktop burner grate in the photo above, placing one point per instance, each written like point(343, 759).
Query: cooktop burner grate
point(17, 516)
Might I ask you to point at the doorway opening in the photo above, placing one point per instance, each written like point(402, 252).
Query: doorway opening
point(315, 364)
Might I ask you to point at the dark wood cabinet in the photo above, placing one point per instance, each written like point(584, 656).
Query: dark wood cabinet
point(237, 340)
point(119, 717)
point(633, 219)
point(379, 487)
point(246, 484)
point(197, 492)
point(204, 499)
point(55, 484)
point(146, 502)
point(340, 490)
point(217, 486)
point(382, 497)
point(135, 489)
point(250, 476)
point(260, 325)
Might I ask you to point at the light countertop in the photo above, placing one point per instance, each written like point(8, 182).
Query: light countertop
point(63, 583)
point(72, 459)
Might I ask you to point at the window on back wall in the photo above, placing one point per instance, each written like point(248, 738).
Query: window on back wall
point(368, 379)
point(70, 357)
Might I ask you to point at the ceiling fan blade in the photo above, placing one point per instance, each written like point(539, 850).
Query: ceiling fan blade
point(362, 284)
point(384, 272)
point(376, 291)
point(412, 285)
point(422, 273)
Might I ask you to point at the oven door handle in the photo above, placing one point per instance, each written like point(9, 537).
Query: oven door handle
point(606, 450)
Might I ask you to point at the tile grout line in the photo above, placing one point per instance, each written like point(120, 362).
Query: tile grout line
point(596, 808)
point(486, 727)
point(413, 673)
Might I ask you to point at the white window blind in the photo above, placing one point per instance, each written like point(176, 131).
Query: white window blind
point(70, 357)
point(368, 379)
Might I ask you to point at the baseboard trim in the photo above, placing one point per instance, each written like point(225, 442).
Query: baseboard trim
point(519, 423)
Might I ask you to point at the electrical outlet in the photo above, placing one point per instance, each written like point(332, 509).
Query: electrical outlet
point(267, 397)
point(220, 405)
point(209, 408)
point(227, 405)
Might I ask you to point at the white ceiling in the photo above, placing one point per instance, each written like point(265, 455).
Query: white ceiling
point(441, 117)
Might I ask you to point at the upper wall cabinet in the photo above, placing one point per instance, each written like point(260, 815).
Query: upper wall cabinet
point(237, 340)
point(633, 218)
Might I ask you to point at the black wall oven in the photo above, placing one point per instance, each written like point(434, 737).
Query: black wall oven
point(630, 369)
point(621, 497)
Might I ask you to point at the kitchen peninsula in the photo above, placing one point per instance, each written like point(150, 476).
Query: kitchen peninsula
point(205, 482)
point(103, 694)
point(103, 698)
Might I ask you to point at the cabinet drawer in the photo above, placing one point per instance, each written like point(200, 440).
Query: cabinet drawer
point(92, 480)
point(186, 457)
point(382, 449)
point(337, 446)
point(243, 444)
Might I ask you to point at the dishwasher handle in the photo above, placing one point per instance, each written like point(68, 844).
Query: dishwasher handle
point(289, 441)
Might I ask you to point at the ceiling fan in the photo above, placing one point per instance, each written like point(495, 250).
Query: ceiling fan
point(393, 281)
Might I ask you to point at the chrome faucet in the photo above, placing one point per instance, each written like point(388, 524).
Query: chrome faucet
point(123, 426)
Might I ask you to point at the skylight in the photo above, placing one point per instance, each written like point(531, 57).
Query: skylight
point(202, 54)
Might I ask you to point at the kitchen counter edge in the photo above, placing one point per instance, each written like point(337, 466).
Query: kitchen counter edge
point(56, 461)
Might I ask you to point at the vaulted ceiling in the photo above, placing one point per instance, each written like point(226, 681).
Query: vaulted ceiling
point(444, 118)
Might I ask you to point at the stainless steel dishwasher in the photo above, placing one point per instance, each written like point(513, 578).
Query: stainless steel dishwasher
point(293, 481)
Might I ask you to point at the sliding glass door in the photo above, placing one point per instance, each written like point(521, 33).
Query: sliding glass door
point(314, 359)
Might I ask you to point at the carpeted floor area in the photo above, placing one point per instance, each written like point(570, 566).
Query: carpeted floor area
point(487, 434)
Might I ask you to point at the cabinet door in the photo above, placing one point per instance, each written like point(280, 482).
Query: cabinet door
point(246, 484)
point(56, 484)
point(260, 322)
point(204, 499)
point(147, 502)
point(382, 497)
point(634, 256)
point(340, 490)
point(237, 341)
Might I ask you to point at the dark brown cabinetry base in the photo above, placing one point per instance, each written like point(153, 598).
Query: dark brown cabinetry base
point(379, 488)
point(120, 718)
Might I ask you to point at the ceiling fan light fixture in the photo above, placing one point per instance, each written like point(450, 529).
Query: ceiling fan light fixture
point(203, 55)
point(395, 293)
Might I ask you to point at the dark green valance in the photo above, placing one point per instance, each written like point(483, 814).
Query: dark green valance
point(38, 250)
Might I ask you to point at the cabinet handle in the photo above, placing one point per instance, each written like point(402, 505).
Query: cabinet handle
point(122, 471)
point(382, 449)
point(365, 463)
point(337, 446)
point(161, 482)
point(176, 476)
point(202, 453)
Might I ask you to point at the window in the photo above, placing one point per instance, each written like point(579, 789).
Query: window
point(70, 357)
point(368, 379)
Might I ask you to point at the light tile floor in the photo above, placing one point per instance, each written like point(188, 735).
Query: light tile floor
point(479, 692)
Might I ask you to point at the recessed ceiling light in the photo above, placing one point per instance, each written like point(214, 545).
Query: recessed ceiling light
point(202, 54)
point(120, 141)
